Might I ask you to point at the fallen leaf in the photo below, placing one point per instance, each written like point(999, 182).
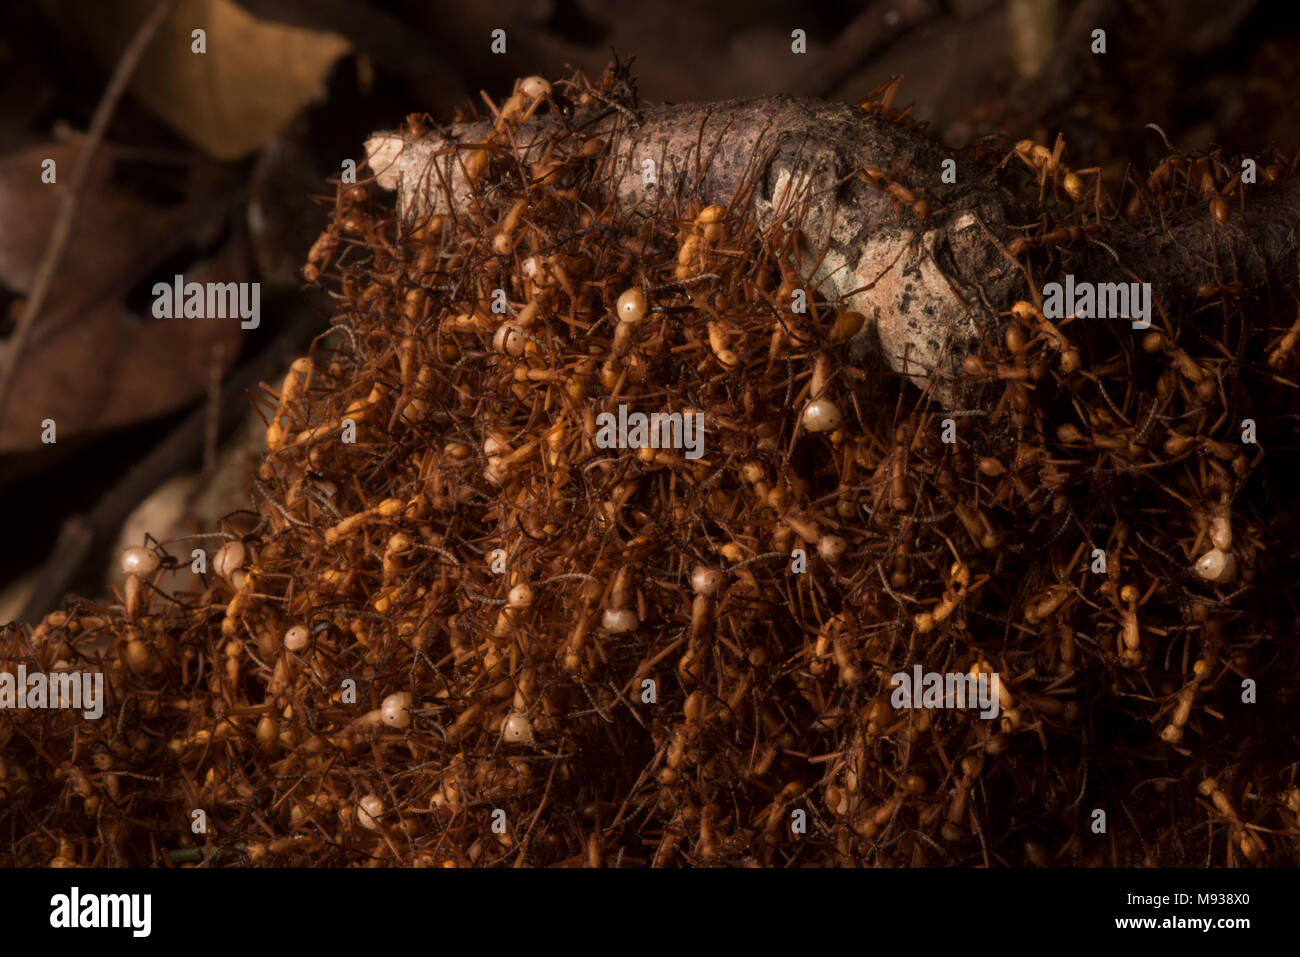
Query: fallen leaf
point(254, 78)
point(90, 364)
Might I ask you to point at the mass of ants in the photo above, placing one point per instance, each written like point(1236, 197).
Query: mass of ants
point(454, 632)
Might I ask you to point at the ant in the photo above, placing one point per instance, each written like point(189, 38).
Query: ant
point(1209, 290)
point(879, 102)
point(1047, 164)
point(900, 194)
point(1061, 236)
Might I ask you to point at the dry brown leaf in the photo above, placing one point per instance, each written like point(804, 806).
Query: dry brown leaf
point(90, 365)
point(254, 78)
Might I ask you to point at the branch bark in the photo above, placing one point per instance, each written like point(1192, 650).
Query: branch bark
point(927, 286)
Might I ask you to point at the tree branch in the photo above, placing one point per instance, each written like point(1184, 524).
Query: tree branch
point(929, 286)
